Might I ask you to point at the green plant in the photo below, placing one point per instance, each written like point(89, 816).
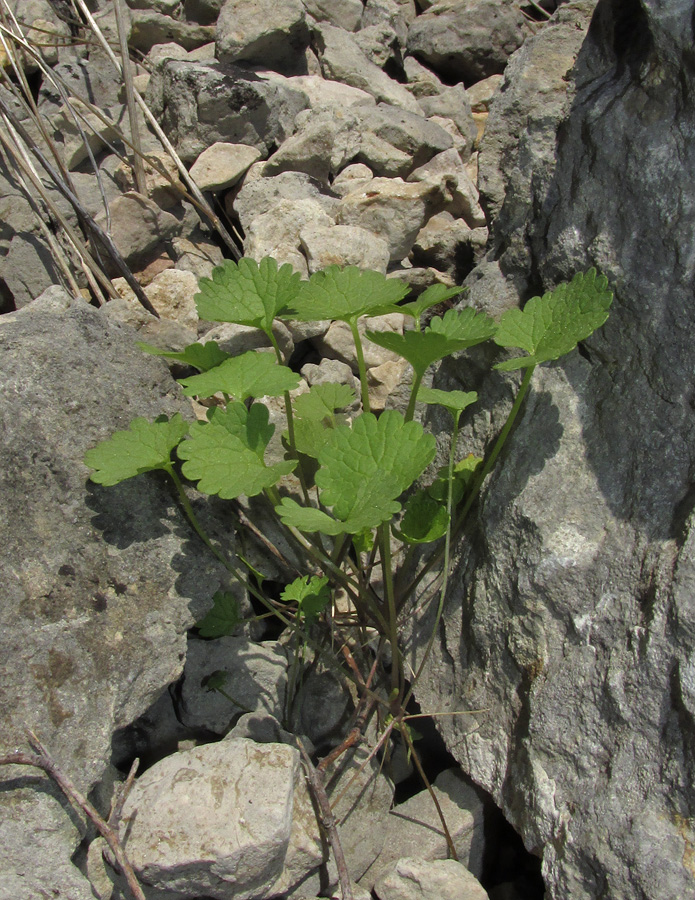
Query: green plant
point(346, 491)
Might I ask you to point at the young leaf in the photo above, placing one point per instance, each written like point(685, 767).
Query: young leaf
point(552, 325)
point(345, 294)
point(252, 374)
point(464, 470)
point(454, 401)
point(306, 518)
point(201, 356)
point(424, 520)
point(145, 446)
point(435, 293)
point(222, 462)
point(247, 292)
point(311, 594)
point(443, 336)
point(223, 619)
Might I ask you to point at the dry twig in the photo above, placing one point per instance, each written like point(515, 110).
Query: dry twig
point(43, 761)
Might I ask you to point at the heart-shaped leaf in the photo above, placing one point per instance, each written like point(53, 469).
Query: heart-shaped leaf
point(223, 619)
point(222, 455)
point(454, 401)
point(247, 292)
point(454, 331)
point(252, 374)
point(310, 593)
point(201, 356)
point(551, 326)
point(424, 520)
point(143, 447)
point(345, 294)
point(434, 294)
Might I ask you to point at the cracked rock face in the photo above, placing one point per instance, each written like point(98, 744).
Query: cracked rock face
point(572, 615)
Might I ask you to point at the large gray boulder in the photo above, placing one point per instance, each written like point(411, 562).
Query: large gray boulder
point(99, 584)
point(571, 616)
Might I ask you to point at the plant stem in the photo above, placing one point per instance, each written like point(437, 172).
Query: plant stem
point(385, 545)
point(445, 565)
point(361, 367)
point(410, 412)
point(478, 483)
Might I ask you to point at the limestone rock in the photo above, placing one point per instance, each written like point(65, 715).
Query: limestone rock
point(351, 178)
point(440, 879)
point(343, 245)
point(392, 209)
point(260, 196)
point(164, 186)
point(279, 228)
point(93, 131)
point(345, 14)
point(235, 339)
point(150, 27)
point(222, 165)
point(342, 60)
point(463, 193)
point(337, 343)
point(232, 807)
point(453, 103)
point(413, 828)
point(199, 103)
point(589, 671)
point(95, 607)
point(468, 41)
point(270, 33)
point(138, 227)
point(256, 680)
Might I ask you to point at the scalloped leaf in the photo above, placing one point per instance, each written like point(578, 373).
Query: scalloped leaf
point(201, 356)
point(247, 292)
point(250, 425)
point(143, 447)
point(345, 294)
point(310, 593)
point(364, 469)
point(222, 620)
point(315, 415)
point(454, 401)
point(434, 294)
point(424, 520)
point(252, 374)
point(551, 326)
point(454, 331)
point(219, 458)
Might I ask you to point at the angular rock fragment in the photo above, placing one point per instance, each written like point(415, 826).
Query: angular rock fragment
point(270, 33)
point(222, 165)
point(468, 41)
point(343, 245)
point(440, 879)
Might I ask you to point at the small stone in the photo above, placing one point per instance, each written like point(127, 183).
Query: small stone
point(345, 14)
point(164, 186)
point(279, 228)
point(338, 343)
point(222, 165)
point(94, 131)
point(417, 879)
point(171, 50)
point(235, 339)
point(481, 93)
point(383, 382)
point(270, 33)
point(138, 227)
point(343, 245)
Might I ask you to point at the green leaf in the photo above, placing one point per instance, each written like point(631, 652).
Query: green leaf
point(464, 470)
point(455, 331)
point(454, 401)
point(223, 619)
point(315, 415)
point(322, 400)
point(226, 461)
point(145, 446)
point(424, 520)
point(363, 541)
point(364, 469)
point(345, 294)
point(252, 374)
point(306, 518)
point(250, 425)
point(201, 356)
point(435, 293)
point(551, 326)
point(311, 594)
point(247, 292)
